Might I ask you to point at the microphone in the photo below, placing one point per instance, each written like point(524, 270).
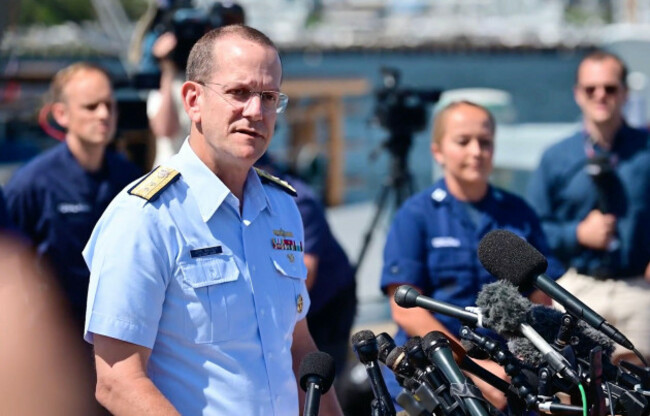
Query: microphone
point(583, 338)
point(524, 394)
point(411, 405)
point(365, 346)
point(431, 378)
point(473, 350)
point(509, 257)
point(316, 373)
point(385, 345)
point(418, 358)
point(504, 310)
point(408, 297)
point(547, 321)
point(600, 169)
point(436, 347)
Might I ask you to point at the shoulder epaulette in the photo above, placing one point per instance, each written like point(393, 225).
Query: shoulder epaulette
point(266, 177)
point(154, 183)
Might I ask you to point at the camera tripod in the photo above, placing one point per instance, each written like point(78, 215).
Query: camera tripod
point(398, 184)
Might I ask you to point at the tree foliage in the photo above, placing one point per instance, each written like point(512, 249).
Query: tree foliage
point(52, 12)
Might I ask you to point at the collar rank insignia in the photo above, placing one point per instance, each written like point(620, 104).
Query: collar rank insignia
point(299, 303)
point(154, 183)
point(266, 177)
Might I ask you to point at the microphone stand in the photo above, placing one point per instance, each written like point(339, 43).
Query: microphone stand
point(563, 337)
point(596, 393)
point(376, 409)
point(525, 394)
point(526, 397)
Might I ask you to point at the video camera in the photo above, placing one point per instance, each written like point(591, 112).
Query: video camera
point(188, 24)
point(402, 111)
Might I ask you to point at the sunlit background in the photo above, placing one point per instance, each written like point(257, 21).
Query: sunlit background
point(517, 57)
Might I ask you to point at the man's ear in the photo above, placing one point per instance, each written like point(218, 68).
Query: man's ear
point(192, 100)
point(60, 114)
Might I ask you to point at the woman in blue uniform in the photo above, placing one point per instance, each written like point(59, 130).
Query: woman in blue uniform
point(433, 239)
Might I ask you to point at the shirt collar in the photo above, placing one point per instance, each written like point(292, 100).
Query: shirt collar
point(255, 195)
point(617, 143)
point(210, 192)
point(208, 189)
point(441, 194)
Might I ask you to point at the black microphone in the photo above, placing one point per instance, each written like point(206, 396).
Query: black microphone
point(519, 393)
point(473, 350)
point(418, 358)
point(411, 379)
point(436, 347)
point(432, 378)
point(599, 168)
point(365, 346)
point(398, 362)
point(504, 310)
point(316, 374)
point(547, 321)
point(582, 337)
point(509, 257)
point(408, 297)
point(385, 345)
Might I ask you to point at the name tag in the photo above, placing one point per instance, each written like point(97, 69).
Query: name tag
point(438, 242)
point(73, 208)
point(208, 251)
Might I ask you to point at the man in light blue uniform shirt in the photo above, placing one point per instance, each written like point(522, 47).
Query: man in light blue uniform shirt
point(197, 293)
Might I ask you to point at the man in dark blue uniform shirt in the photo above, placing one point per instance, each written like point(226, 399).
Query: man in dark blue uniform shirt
point(4, 218)
point(591, 194)
point(56, 198)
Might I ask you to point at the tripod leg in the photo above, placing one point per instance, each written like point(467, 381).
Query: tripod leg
point(404, 188)
point(379, 206)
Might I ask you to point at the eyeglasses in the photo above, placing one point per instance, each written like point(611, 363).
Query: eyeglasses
point(271, 101)
point(590, 90)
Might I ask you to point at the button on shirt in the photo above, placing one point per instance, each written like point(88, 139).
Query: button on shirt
point(56, 203)
point(213, 293)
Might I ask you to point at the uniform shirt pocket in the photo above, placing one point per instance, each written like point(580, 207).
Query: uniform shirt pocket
point(211, 290)
point(291, 290)
point(452, 269)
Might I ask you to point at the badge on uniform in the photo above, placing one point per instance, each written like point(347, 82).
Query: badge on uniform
point(438, 242)
point(299, 303)
point(208, 251)
point(291, 257)
point(282, 233)
point(280, 243)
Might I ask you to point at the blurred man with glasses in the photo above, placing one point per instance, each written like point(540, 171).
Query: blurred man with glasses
point(198, 294)
point(591, 193)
